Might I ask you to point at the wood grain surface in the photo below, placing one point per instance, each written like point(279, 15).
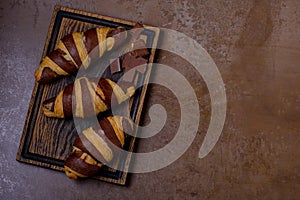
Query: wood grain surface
point(48, 141)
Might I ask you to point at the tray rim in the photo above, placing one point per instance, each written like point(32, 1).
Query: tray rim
point(31, 108)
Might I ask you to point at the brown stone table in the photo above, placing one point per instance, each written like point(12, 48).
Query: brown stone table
point(256, 46)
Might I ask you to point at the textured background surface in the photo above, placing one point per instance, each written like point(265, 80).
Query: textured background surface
point(255, 44)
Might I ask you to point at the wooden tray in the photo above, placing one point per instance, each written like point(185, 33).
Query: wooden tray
point(46, 142)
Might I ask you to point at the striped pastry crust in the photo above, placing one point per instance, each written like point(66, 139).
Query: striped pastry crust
point(75, 50)
point(97, 145)
point(87, 97)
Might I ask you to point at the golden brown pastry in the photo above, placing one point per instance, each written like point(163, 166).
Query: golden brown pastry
point(74, 50)
point(87, 97)
point(96, 145)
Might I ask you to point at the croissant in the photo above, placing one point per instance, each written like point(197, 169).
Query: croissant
point(95, 145)
point(75, 50)
point(87, 97)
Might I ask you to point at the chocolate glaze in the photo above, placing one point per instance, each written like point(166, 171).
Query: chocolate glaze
point(109, 132)
point(48, 76)
point(80, 166)
point(67, 100)
point(91, 40)
point(107, 90)
point(91, 44)
point(78, 143)
point(57, 57)
point(87, 101)
point(49, 104)
point(70, 45)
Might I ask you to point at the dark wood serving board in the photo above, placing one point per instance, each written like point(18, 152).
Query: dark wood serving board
point(46, 142)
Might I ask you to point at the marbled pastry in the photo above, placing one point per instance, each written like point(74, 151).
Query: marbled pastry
point(97, 145)
point(75, 50)
point(87, 97)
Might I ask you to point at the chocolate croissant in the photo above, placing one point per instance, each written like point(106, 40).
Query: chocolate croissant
point(87, 97)
point(75, 50)
point(96, 146)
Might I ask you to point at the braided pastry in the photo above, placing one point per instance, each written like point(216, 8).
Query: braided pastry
point(90, 97)
point(74, 50)
point(95, 145)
